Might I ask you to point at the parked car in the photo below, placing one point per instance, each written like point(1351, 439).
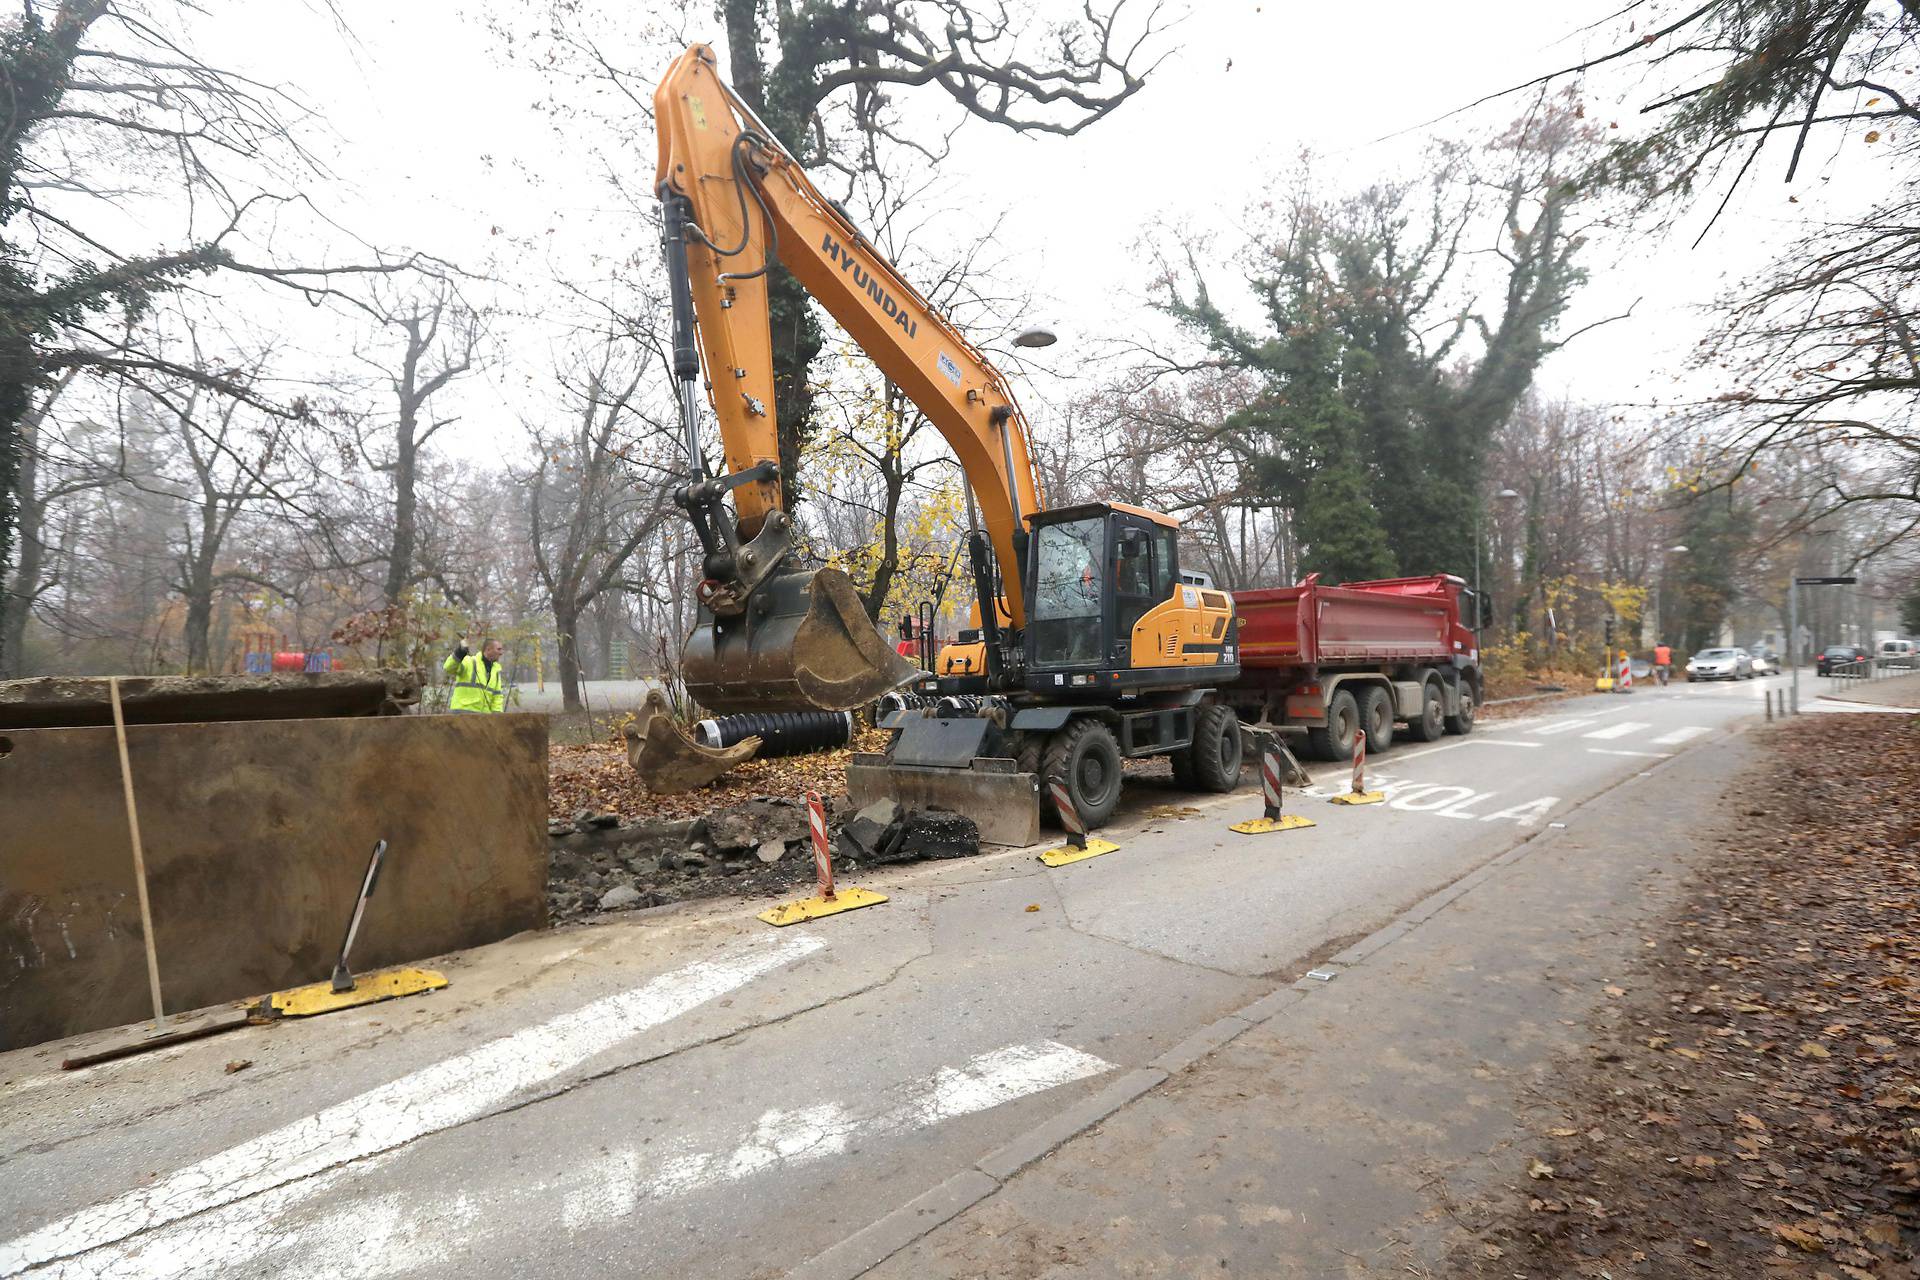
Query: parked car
point(1720, 664)
point(1841, 660)
point(1765, 661)
point(1897, 653)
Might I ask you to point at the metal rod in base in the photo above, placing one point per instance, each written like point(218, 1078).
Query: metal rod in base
point(342, 975)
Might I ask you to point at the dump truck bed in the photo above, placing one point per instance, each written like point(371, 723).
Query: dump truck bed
point(1393, 620)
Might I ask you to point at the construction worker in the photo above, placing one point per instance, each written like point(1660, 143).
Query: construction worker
point(1662, 662)
point(479, 679)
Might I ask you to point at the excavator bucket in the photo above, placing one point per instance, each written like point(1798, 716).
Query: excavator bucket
point(805, 643)
point(667, 760)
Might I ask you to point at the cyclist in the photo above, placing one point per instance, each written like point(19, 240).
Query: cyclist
point(1662, 663)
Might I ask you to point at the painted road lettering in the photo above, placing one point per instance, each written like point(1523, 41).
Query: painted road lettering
point(1446, 800)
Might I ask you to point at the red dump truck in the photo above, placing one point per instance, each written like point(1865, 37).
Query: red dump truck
point(1333, 661)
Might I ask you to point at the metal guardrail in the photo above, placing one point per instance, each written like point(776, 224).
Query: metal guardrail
point(1849, 675)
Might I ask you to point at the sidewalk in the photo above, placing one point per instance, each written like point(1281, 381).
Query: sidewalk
point(1898, 691)
point(1344, 1120)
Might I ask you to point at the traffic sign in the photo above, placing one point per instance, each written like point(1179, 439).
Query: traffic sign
point(1827, 582)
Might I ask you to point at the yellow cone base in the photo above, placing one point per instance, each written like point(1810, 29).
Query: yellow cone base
point(368, 988)
point(1361, 797)
point(813, 908)
point(1260, 826)
point(1603, 684)
point(1067, 853)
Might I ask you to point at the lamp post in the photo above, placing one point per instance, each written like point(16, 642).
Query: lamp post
point(1479, 546)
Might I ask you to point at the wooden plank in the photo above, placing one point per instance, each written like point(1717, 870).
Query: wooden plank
point(144, 1039)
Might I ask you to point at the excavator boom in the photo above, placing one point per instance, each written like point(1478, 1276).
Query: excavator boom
point(772, 636)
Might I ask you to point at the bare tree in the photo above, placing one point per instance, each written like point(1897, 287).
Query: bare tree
point(231, 460)
point(97, 90)
point(439, 341)
point(596, 493)
point(44, 479)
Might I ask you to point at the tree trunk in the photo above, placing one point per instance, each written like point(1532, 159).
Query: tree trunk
point(889, 566)
point(405, 507)
point(199, 621)
point(16, 599)
point(566, 625)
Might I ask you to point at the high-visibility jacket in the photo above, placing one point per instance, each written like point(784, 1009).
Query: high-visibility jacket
point(478, 685)
point(1662, 656)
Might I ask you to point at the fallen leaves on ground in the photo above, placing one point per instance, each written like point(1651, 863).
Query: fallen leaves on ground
point(1751, 1106)
point(597, 777)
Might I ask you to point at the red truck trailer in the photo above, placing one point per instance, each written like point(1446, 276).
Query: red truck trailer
point(1334, 661)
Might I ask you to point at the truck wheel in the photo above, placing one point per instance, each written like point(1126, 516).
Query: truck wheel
point(1462, 721)
point(1432, 720)
point(1376, 713)
point(1335, 741)
point(1213, 761)
point(1085, 756)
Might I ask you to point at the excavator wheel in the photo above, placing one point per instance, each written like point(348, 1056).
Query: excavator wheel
point(1085, 756)
point(1029, 756)
point(1213, 761)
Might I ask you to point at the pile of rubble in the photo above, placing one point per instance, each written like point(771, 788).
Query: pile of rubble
point(596, 863)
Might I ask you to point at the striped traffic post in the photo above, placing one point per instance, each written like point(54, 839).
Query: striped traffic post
point(1358, 793)
point(827, 900)
point(1625, 683)
point(1069, 818)
point(1270, 819)
point(822, 854)
point(1079, 845)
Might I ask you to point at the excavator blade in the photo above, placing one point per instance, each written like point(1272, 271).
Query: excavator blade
point(805, 643)
point(667, 760)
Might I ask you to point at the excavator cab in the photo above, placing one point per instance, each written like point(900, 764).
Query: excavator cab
point(1108, 612)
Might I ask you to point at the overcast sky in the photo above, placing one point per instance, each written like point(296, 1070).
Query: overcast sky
point(440, 143)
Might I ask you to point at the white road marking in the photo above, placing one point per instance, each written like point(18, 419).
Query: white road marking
point(1679, 736)
point(400, 1234)
point(1500, 742)
point(813, 1133)
point(1403, 757)
point(1616, 751)
point(1620, 730)
point(1564, 726)
point(437, 1097)
point(1422, 799)
point(1526, 814)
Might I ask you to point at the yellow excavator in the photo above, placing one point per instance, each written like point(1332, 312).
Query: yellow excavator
point(1089, 647)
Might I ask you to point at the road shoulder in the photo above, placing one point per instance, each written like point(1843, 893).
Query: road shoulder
point(1334, 1130)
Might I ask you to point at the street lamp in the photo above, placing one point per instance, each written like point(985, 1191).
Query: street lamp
point(1479, 546)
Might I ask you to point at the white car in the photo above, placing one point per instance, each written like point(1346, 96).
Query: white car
point(1720, 664)
point(1765, 661)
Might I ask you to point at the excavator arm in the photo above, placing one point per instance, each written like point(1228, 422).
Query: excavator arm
point(735, 201)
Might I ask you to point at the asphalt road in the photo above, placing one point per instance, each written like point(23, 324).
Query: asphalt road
point(694, 1094)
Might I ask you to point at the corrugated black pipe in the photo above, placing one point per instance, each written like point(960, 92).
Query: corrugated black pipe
point(781, 733)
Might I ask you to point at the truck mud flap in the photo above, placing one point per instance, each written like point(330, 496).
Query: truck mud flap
point(1001, 800)
point(667, 760)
